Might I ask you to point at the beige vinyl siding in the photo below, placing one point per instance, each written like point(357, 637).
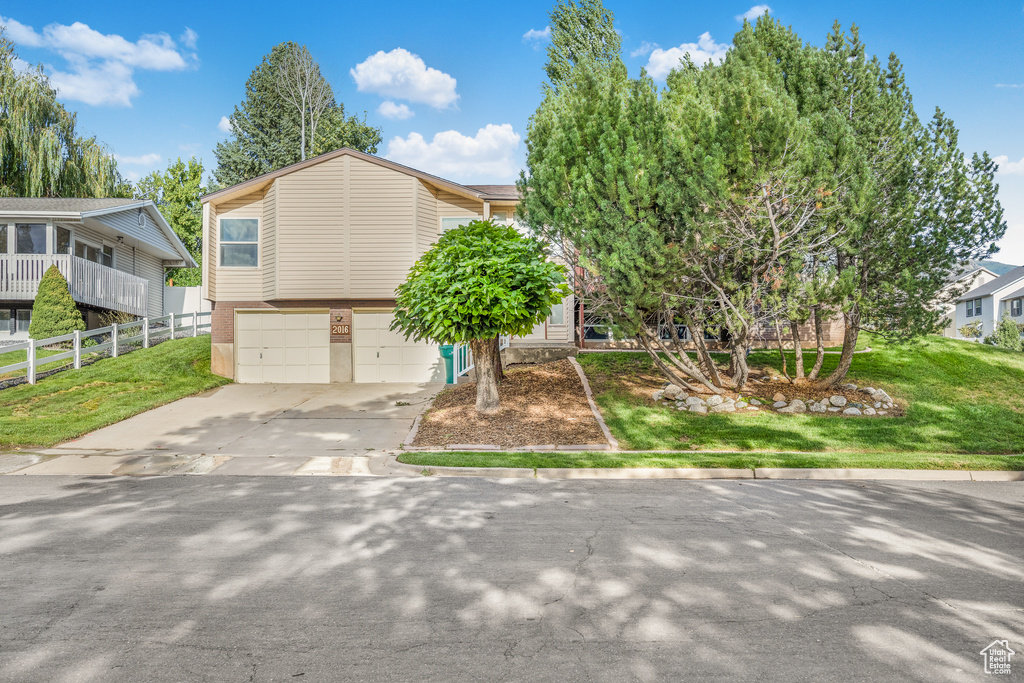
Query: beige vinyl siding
point(134, 262)
point(382, 241)
point(209, 249)
point(452, 205)
point(238, 284)
point(268, 250)
point(427, 224)
point(311, 246)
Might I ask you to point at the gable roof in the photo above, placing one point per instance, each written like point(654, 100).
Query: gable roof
point(1000, 282)
point(79, 208)
point(506, 192)
point(264, 180)
point(969, 269)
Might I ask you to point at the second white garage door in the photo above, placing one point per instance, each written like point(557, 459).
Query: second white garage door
point(380, 355)
point(282, 346)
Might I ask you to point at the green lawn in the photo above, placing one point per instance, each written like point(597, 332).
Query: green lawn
point(12, 357)
point(913, 461)
point(70, 404)
point(961, 398)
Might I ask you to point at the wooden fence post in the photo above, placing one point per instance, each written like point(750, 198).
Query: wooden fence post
point(113, 341)
point(31, 370)
point(78, 349)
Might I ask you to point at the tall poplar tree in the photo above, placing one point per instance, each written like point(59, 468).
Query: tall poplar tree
point(267, 130)
point(580, 31)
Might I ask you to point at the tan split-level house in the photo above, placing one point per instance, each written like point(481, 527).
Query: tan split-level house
point(301, 265)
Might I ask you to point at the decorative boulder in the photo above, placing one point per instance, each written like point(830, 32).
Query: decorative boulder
point(699, 409)
point(869, 411)
point(869, 390)
point(779, 397)
point(849, 387)
point(741, 404)
point(671, 391)
point(724, 408)
point(817, 407)
point(881, 396)
point(837, 400)
point(797, 406)
point(694, 401)
point(878, 404)
point(852, 411)
point(754, 402)
point(657, 395)
point(715, 400)
point(780, 404)
point(834, 410)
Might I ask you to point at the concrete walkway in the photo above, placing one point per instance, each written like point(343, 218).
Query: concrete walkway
point(239, 420)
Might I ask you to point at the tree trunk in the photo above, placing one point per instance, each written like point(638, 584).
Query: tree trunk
point(849, 346)
point(819, 339)
point(782, 351)
point(798, 350)
point(704, 360)
point(499, 369)
point(738, 360)
point(487, 402)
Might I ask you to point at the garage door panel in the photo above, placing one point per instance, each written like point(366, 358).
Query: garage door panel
point(296, 356)
point(248, 323)
point(320, 337)
point(383, 355)
point(273, 374)
point(319, 356)
point(295, 338)
point(277, 346)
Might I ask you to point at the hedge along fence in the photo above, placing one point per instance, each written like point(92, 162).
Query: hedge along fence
point(114, 340)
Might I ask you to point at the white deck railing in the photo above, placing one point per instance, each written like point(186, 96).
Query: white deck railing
point(90, 283)
point(463, 356)
point(115, 339)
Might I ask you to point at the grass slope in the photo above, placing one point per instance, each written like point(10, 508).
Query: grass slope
point(961, 397)
point(70, 404)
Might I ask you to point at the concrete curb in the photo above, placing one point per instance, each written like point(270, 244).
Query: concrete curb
point(612, 441)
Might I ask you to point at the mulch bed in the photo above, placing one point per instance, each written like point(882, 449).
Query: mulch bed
point(540, 405)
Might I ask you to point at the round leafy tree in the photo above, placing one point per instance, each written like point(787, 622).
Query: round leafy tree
point(1007, 334)
point(54, 312)
point(477, 282)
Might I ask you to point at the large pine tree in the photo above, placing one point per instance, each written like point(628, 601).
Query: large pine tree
point(266, 130)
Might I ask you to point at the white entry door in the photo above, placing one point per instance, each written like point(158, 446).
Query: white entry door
point(282, 347)
point(380, 355)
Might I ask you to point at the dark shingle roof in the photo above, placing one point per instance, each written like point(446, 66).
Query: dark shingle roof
point(1000, 282)
point(497, 191)
point(44, 204)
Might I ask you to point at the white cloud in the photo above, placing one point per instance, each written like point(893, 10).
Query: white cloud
point(390, 110)
point(754, 13)
point(491, 155)
point(701, 52)
point(539, 35)
point(143, 160)
point(1008, 167)
point(1010, 85)
point(225, 125)
point(644, 49)
point(402, 75)
point(101, 67)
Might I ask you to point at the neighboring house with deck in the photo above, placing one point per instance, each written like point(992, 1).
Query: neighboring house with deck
point(301, 266)
point(984, 306)
point(112, 252)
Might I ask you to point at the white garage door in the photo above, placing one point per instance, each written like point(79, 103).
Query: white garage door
point(282, 346)
point(381, 355)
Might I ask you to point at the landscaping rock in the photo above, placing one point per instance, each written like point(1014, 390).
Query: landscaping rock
point(724, 408)
point(818, 407)
point(752, 408)
point(849, 387)
point(780, 404)
point(657, 395)
point(881, 396)
point(852, 411)
point(779, 397)
point(741, 404)
point(715, 400)
point(869, 411)
point(869, 390)
point(878, 404)
point(882, 412)
point(857, 405)
point(699, 409)
point(837, 400)
point(834, 410)
point(695, 401)
point(755, 402)
point(671, 391)
point(798, 406)
point(887, 406)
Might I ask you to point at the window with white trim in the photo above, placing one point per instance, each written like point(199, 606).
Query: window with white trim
point(239, 242)
point(103, 255)
point(1015, 307)
point(62, 241)
point(457, 222)
point(24, 319)
point(557, 316)
point(3, 239)
point(30, 238)
point(973, 308)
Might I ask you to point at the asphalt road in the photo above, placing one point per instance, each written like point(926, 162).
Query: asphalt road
point(378, 579)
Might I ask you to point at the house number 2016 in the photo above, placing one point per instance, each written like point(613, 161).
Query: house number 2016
point(338, 328)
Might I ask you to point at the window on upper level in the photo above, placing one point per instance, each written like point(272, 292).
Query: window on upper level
point(452, 223)
point(30, 238)
point(102, 255)
point(1015, 307)
point(973, 308)
point(239, 242)
point(3, 246)
point(61, 240)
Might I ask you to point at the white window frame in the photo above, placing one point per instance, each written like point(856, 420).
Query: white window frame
point(258, 242)
point(1016, 305)
point(100, 246)
point(8, 248)
point(53, 239)
point(47, 239)
point(464, 221)
point(561, 305)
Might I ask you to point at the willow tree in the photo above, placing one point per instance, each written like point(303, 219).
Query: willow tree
point(41, 154)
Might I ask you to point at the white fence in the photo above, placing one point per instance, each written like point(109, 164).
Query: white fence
point(115, 339)
point(463, 356)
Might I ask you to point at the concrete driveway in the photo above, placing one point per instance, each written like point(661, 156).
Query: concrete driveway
point(270, 419)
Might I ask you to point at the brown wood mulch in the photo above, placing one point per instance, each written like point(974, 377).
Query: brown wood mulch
point(540, 405)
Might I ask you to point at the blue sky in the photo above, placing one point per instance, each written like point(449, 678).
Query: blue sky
point(153, 80)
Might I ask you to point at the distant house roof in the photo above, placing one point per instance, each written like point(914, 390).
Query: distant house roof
point(996, 267)
point(967, 269)
point(264, 180)
point(497, 191)
point(62, 204)
point(1000, 282)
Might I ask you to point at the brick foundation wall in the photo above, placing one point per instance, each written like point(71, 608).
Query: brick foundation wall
point(223, 313)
